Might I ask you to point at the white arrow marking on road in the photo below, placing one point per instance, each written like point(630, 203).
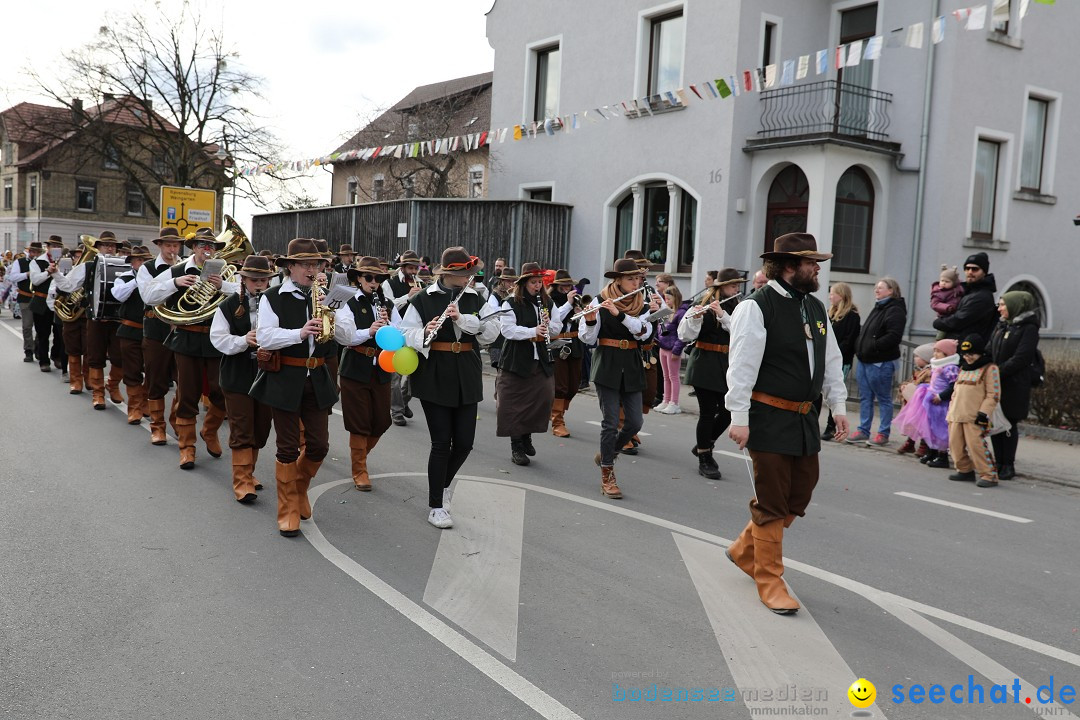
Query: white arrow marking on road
point(597, 423)
point(958, 506)
point(476, 577)
point(765, 652)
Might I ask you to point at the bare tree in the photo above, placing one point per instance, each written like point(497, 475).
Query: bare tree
point(168, 104)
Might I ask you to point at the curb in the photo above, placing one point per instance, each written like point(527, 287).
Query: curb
point(1071, 437)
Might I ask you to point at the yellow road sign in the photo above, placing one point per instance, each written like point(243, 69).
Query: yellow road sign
point(187, 209)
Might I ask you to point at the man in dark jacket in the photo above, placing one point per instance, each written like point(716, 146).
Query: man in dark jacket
point(977, 312)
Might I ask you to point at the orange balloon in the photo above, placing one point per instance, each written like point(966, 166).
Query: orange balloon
point(386, 361)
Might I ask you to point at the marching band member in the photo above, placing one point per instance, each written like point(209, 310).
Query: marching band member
point(74, 335)
point(501, 289)
point(708, 325)
point(365, 387)
point(449, 380)
point(101, 342)
point(196, 358)
point(159, 363)
point(42, 270)
point(567, 369)
point(650, 351)
point(615, 326)
point(130, 332)
point(344, 259)
point(232, 333)
point(19, 275)
point(400, 288)
point(294, 380)
point(525, 385)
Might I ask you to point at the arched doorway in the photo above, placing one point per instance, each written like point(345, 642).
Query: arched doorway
point(1040, 301)
point(789, 199)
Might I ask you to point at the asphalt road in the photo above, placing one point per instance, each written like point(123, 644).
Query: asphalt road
point(132, 589)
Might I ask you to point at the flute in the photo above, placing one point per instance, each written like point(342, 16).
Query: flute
point(585, 312)
point(429, 337)
point(699, 310)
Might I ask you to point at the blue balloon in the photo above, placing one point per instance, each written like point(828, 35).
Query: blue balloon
point(389, 338)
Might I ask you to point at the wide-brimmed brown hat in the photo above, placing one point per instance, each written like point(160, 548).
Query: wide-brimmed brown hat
point(300, 249)
point(204, 234)
point(424, 273)
point(55, 241)
point(167, 234)
point(257, 266)
point(729, 276)
point(409, 257)
point(107, 236)
point(508, 273)
point(455, 261)
point(346, 250)
point(563, 277)
point(36, 245)
point(624, 267)
point(123, 247)
point(324, 248)
point(367, 265)
point(801, 246)
point(638, 257)
point(139, 252)
point(529, 271)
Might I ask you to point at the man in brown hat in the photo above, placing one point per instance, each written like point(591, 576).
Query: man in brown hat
point(74, 335)
point(399, 288)
point(130, 332)
point(568, 361)
point(614, 324)
point(294, 379)
point(159, 363)
point(196, 358)
point(19, 275)
point(232, 333)
point(345, 258)
point(42, 270)
point(782, 357)
point(365, 386)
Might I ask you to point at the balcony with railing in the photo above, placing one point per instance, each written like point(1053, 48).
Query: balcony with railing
point(826, 111)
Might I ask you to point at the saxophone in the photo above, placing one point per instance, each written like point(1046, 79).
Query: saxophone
point(318, 310)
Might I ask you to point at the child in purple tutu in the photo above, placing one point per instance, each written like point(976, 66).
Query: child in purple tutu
point(923, 418)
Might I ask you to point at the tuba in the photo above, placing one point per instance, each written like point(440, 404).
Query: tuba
point(71, 307)
point(201, 300)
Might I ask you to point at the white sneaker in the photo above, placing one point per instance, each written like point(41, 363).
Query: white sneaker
point(440, 518)
point(673, 409)
point(661, 407)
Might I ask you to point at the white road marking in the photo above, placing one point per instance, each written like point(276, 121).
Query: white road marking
point(475, 579)
point(958, 506)
point(13, 331)
point(469, 651)
point(597, 423)
point(762, 651)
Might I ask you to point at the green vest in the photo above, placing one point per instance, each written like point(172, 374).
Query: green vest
point(132, 310)
point(517, 355)
point(38, 306)
point(189, 342)
point(285, 389)
point(785, 373)
point(447, 378)
point(613, 367)
point(707, 368)
point(358, 366)
point(237, 372)
point(153, 327)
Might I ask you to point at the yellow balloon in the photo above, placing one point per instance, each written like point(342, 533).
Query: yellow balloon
point(406, 360)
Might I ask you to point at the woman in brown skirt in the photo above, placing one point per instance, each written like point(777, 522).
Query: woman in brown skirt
point(525, 387)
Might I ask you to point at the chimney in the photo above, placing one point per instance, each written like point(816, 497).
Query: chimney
point(76, 110)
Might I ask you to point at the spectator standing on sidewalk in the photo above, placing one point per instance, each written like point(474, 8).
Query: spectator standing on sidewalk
point(975, 395)
point(844, 316)
point(671, 349)
point(878, 350)
point(1012, 348)
point(976, 312)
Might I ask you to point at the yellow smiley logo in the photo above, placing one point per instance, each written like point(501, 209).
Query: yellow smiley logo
point(862, 693)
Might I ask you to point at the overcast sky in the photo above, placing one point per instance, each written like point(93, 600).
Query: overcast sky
point(327, 64)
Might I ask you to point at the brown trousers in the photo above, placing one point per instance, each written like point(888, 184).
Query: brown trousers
point(316, 429)
point(967, 445)
point(249, 421)
point(159, 363)
point(75, 337)
point(365, 407)
point(131, 352)
point(783, 485)
point(102, 343)
point(567, 378)
point(190, 371)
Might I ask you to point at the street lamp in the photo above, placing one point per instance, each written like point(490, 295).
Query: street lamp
point(222, 154)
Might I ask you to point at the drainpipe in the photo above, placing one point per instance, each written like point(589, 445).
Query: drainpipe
point(920, 193)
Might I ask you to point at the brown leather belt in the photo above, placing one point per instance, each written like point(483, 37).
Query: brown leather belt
point(26, 293)
point(149, 315)
point(193, 328)
point(310, 363)
point(711, 347)
point(566, 335)
point(802, 408)
point(131, 323)
point(620, 344)
point(40, 294)
point(454, 347)
point(365, 350)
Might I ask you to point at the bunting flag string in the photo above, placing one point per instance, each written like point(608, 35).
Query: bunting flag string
point(781, 74)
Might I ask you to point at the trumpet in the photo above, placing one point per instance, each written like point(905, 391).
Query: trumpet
point(586, 311)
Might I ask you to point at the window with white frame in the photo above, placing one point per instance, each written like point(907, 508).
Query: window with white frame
point(352, 190)
point(667, 38)
point(9, 193)
point(32, 194)
point(1033, 153)
point(378, 184)
point(539, 193)
point(476, 181)
point(985, 188)
point(135, 205)
point(660, 219)
point(85, 195)
point(547, 64)
point(999, 21)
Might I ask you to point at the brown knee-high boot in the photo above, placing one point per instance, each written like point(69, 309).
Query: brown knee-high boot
point(144, 406)
point(305, 471)
point(242, 479)
point(157, 421)
point(255, 461)
point(769, 566)
point(288, 515)
point(211, 422)
point(741, 552)
point(75, 374)
point(135, 403)
point(97, 388)
point(358, 448)
point(185, 435)
point(172, 410)
point(112, 385)
point(558, 424)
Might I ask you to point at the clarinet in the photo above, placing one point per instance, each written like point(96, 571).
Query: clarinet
point(544, 320)
point(382, 303)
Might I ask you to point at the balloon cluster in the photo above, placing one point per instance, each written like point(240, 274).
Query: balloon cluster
point(395, 357)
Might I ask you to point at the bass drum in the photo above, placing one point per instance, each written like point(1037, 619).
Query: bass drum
point(104, 306)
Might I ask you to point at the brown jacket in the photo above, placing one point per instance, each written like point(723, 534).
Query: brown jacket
point(975, 391)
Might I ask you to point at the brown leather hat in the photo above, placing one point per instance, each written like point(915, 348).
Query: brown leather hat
point(139, 252)
point(624, 267)
point(55, 241)
point(107, 236)
point(638, 257)
point(563, 277)
point(301, 249)
point(729, 276)
point(367, 265)
point(455, 261)
point(529, 271)
point(167, 234)
point(409, 257)
point(204, 234)
point(346, 250)
point(257, 266)
point(802, 246)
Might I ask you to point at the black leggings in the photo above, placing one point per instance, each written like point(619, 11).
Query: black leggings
point(714, 417)
point(1005, 445)
point(452, 430)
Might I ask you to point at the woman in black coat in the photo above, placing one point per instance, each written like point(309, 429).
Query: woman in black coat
point(1012, 347)
point(845, 324)
point(878, 349)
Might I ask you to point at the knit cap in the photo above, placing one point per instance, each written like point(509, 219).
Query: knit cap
point(946, 346)
point(950, 274)
point(926, 352)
